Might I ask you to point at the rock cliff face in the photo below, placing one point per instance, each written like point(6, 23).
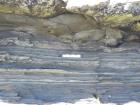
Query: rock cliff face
point(35, 34)
point(109, 12)
point(76, 21)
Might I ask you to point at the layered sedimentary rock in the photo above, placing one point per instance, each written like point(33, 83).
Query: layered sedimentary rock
point(70, 18)
point(34, 34)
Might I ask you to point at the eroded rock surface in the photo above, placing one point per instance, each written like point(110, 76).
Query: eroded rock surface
point(109, 12)
point(94, 34)
point(39, 8)
point(120, 16)
point(113, 37)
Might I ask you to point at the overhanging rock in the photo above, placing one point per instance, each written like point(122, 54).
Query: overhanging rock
point(114, 13)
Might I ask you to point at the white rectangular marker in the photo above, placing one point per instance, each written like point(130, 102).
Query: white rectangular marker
point(71, 55)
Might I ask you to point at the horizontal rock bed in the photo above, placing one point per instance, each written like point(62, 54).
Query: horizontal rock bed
point(34, 36)
point(32, 74)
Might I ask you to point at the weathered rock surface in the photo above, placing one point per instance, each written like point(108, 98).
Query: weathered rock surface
point(106, 12)
point(39, 8)
point(94, 34)
point(121, 14)
point(68, 24)
point(134, 38)
point(109, 12)
point(113, 37)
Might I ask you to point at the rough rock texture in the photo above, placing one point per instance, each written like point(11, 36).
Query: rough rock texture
point(106, 12)
point(68, 24)
point(133, 38)
point(94, 34)
point(70, 18)
point(39, 8)
point(109, 12)
point(113, 37)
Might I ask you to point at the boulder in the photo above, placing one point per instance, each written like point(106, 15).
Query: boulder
point(68, 24)
point(136, 27)
point(113, 37)
point(94, 34)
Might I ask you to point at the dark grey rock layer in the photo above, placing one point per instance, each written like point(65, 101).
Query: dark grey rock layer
point(36, 74)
